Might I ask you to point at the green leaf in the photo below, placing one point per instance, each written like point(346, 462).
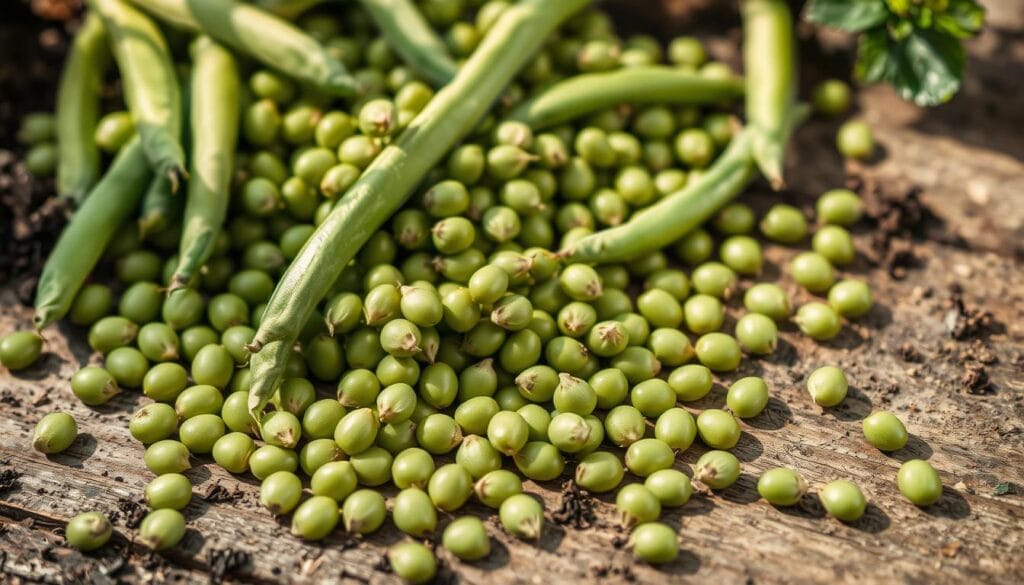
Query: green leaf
point(848, 15)
point(1005, 488)
point(873, 62)
point(962, 19)
point(927, 66)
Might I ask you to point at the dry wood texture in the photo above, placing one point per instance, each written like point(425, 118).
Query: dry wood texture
point(960, 397)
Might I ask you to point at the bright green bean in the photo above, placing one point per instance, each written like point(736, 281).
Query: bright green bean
point(214, 122)
point(588, 93)
point(392, 176)
point(150, 85)
point(769, 60)
point(83, 241)
point(261, 35)
point(78, 109)
point(675, 215)
point(412, 37)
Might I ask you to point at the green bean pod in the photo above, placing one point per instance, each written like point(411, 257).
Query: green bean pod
point(150, 85)
point(214, 114)
point(588, 93)
point(288, 9)
point(391, 177)
point(159, 206)
point(82, 242)
point(769, 63)
point(676, 214)
point(261, 35)
point(412, 37)
point(78, 109)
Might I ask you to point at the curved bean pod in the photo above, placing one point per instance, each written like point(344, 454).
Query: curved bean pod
point(78, 109)
point(588, 93)
point(259, 34)
point(215, 89)
point(412, 37)
point(150, 84)
point(390, 179)
point(159, 207)
point(82, 242)
point(769, 63)
point(676, 214)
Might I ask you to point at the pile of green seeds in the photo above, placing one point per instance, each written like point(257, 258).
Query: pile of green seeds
point(458, 354)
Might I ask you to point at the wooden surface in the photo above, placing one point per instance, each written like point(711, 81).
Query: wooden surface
point(966, 158)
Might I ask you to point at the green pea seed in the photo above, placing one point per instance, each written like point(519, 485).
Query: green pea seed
point(624, 425)
point(828, 386)
point(317, 453)
point(839, 207)
point(162, 529)
point(91, 304)
point(843, 500)
point(671, 486)
point(522, 516)
point(280, 492)
point(88, 531)
point(691, 382)
point(919, 482)
point(781, 486)
point(467, 539)
point(718, 351)
point(315, 518)
point(539, 461)
point(637, 363)
point(599, 472)
point(742, 254)
point(127, 365)
point(477, 456)
point(818, 321)
point(412, 562)
point(812, 271)
point(171, 490)
point(676, 428)
point(356, 431)
point(508, 432)
point(718, 429)
point(703, 314)
point(450, 487)
point(636, 505)
point(769, 300)
point(232, 451)
point(439, 434)
point(646, 456)
point(364, 511)
point(885, 431)
point(269, 459)
point(20, 349)
point(110, 333)
point(654, 542)
point(851, 298)
point(717, 469)
point(164, 382)
point(855, 140)
point(747, 397)
point(54, 433)
point(497, 486)
point(652, 397)
point(94, 386)
point(784, 224)
point(757, 334)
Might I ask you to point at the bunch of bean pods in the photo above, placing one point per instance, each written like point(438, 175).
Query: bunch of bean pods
point(448, 245)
